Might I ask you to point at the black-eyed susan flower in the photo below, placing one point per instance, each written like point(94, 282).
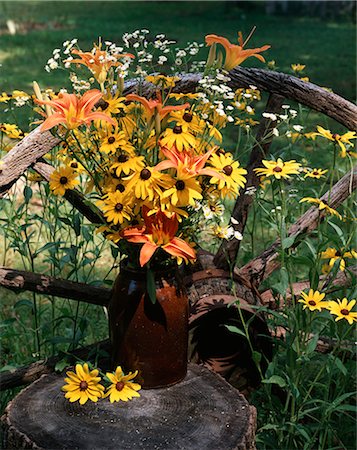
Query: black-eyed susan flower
point(147, 183)
point(184, 191)
point(116, 140)
point(189, 118)
point(122, 387)
point(313, 300)
point(322, 205)
point(124, 164)
point(315, 173)
point(116, 206)
point(298, 67)
point(83, 385)
point(342, 309)
point(231, 174)
point(339, 139)
point(178, 136)
point(62, 179)
point(335, 255)
point(279, 169)
point(162, 81)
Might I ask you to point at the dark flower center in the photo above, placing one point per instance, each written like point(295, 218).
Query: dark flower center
point(123, 158)
point(145, 174)
point(118, 207)
point(103, 104)
point(119, 386)
point(180, 185)
point(312, 302)
point(187, 117)
point(228, 170)
point(277, 169)
point(177, 129)
point(63, 180)
point(83, 386)
point(120, 187)
point(338, 253)
point(345, 312)
point(315, 172)
point(336, 136)
point(111, 140)
point(74, 164)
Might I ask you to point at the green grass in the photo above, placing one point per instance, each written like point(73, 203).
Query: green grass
point(328, 48)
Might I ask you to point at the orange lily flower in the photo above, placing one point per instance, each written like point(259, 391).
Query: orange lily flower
point(99, 62)
point(155, 106)
point(235, 54)
point(186, 163)
point(73, 111)
point(159, 232)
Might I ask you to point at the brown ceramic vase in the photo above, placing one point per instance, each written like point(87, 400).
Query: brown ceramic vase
point(150, 337)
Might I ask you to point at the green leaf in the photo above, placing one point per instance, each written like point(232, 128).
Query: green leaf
point(257, 357)
point(77, 224)
point(45, 247)
point(60, 365)
point(236, 330)
point(288, 242)
point(27, 193)
point(338, 231)
point(311, 346)
point(282, 286)
point(150, 285)
point(276, 379)
point(340, 365)
point(24, 302)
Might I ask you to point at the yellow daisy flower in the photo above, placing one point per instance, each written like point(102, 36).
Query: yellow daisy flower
point(315, 173)
point(184, 191)
point(298, 67)
point(189, 119)
point(342, 309)
point(336, 256)
point(147, 183)
point(116, 207)
point(178, 136)
point(233, 174)
point(341, 140)
point(114, 141)
point(122, 388)
point(322, 206)
point(11, 131)
point(62, 179)
point(180, 96)
point(313, 300)
point(162, 81)
point(125, 164)
point(279, 169)
point(83, 385)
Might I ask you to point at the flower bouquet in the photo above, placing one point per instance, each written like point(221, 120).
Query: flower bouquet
point(152, 161)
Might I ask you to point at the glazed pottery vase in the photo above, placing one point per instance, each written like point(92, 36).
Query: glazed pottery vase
point(149, 333)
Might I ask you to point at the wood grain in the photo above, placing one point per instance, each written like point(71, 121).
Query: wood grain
point(201, 412)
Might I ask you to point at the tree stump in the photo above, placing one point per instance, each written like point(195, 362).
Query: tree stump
point(201, 412)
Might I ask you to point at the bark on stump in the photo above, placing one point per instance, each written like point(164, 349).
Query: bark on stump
point(201, 412)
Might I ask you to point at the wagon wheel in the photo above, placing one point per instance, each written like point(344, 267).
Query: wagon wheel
point(32, 148)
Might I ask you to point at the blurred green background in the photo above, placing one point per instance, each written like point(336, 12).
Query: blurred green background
point(318, 34)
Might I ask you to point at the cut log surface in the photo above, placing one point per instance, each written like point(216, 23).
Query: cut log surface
point(201, 412)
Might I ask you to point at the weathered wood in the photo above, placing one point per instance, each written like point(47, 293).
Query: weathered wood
point(263, 265)
point(23, 155)
point(305, 93)
point(20, 280)
point(228, 250)
point(201, 412)
point(343, 279)
point(288, 86)
point(31, 372)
